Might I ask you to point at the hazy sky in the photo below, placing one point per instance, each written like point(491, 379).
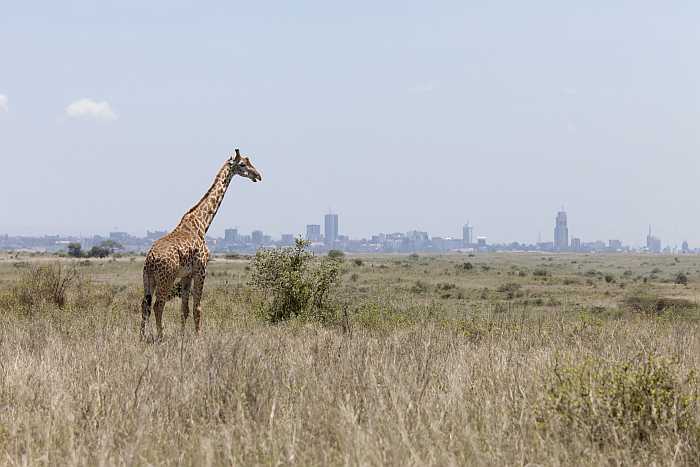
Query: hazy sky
point(397, 115)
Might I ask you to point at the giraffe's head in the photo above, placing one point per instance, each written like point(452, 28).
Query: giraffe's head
point(242, 166)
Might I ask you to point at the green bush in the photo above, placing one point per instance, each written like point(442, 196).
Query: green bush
point(40, 285)
point(681, 278)
point(467, 266)
point(621, 403)
point(336, 254)
point(645, 301)
point(419, 287)
point(293, 283)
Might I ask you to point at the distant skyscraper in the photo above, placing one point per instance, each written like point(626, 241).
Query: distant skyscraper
point(330, 228)
point(467, 231)
point(313, 232)
point(287, 239)
point(653, 243)
point(561, 232)
point(257, 237)
point(231, 235)
point(576, 244)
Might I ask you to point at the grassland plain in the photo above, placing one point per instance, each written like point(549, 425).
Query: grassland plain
point(493, 359)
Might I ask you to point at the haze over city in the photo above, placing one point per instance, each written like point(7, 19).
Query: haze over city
point(398, 116)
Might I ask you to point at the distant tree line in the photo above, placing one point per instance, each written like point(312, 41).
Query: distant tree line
point(102, 250)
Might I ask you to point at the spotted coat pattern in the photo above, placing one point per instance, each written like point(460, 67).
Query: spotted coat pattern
point(183, 254)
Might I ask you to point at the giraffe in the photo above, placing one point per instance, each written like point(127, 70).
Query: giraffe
point(183, 253)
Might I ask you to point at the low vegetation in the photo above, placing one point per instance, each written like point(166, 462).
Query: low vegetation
point(312, 360)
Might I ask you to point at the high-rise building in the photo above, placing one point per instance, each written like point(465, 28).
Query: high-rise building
point(155, 234)
point(330, 231)
point(467, 231)
point(575, 243)
point(615, 244)
point(653, 243)
point(231, 235)
point(313, 232)
point(561, 232)
point(119, 236)
point(257, 237)
point(287, 239)
point(684, 247)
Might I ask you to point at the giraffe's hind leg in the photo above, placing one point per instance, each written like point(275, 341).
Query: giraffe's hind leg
point(146, 302)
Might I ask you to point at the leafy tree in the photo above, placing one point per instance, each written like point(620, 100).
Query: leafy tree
point(99, 252)
point(75, 250)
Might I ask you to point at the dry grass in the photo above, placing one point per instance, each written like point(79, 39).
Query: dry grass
point(423, 378)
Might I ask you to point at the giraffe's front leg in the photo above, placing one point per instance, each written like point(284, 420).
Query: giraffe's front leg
point(197, 287)
point(186, 284)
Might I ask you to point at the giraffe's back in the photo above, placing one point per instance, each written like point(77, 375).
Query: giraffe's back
point(174, 256)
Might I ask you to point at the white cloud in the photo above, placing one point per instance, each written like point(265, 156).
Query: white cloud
point(90, 109)
point(3, 103)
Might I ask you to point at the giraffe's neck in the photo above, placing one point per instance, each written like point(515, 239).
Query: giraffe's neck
point(198, 219)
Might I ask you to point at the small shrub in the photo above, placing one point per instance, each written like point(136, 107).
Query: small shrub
point(540, 272)
point(510, 289)
point(419, 287)
point(681, 279)
point(467, 266)
point(293, 284)
point(609, 278)
point(43, 285)
point(627, 402)
point(336, 255)
point(357, 262)
point(648, 302)
point(413, 256)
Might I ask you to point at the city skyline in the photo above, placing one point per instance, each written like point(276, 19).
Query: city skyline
point(329, 220)
point(412, 240)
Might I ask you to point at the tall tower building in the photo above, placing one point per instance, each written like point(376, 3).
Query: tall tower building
point(231, 235)
point(330, 228)
point(467, 231)
point(653, 243)
point(561, 232)
point(313, 233)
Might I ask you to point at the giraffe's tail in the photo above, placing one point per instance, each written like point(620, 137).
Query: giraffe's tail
point(149, 283)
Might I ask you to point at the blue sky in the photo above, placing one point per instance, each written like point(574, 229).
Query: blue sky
point(397, 115)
